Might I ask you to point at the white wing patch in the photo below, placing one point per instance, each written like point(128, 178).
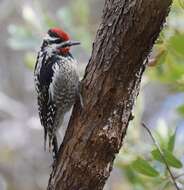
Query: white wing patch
point(37, 69)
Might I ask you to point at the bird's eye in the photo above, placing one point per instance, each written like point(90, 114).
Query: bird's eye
point(55, 41)
point(45, 43)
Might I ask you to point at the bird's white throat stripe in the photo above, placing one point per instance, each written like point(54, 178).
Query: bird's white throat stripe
point(47, 37)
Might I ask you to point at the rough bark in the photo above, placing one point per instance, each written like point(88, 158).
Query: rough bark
point(110, 86)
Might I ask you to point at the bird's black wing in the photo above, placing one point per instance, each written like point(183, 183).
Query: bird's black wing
point(46, 106)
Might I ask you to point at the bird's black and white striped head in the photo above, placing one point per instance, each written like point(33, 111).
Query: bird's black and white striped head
point(58, 40)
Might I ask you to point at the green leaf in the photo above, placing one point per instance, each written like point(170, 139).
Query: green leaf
point(132, 176)
point(169, 157)
point(176, 43)
point(161, 133)
point(143, 167)
point(180, 110)
point(171, 142)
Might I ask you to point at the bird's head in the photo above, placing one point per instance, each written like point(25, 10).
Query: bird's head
point(59, 40)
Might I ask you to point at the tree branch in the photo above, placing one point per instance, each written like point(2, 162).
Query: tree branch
point(110, 86)
point(173, 178)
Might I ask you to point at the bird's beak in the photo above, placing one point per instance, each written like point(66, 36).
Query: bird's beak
point(73, 43)
point(68, 44)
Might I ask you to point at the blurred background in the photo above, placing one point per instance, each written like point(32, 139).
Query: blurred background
point(160, 105)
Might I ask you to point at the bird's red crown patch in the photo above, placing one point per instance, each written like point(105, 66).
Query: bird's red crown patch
point(60, 33)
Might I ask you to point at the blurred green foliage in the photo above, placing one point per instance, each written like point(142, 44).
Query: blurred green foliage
point(143, 167)
point(27, 37)
point(140, 162)
point(144, 162)
point(181, 110)
point(169, 50)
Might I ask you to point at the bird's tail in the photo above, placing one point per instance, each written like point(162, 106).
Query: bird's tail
point(45, 139)
point(53, 145)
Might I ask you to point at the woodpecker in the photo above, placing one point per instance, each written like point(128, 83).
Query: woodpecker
point(56, 82)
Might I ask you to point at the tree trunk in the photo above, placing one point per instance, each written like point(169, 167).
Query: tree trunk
point(110, 86)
